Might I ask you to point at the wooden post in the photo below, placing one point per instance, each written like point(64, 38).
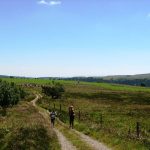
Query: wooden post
point(101, 120)
point(79, 115)
point(129, 132)
point(49, 105)
point(60, 108)
point(138, 129)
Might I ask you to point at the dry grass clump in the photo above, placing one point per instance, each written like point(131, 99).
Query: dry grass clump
point(25, 128)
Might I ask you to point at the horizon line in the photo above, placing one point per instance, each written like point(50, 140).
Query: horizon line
point(81, 76)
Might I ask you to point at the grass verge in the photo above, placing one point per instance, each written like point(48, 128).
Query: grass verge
point(24, 128)
point(72, 137)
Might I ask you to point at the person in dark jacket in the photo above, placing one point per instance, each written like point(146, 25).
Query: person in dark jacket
point(71, 116)
point(53, 116)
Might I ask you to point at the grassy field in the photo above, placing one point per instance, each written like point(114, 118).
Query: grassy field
point(107, 114)
point(95, 86)
point(24, 128)
point(31, 80)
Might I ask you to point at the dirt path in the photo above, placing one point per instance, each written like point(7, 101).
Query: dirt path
point(93, 143)
point(65, 144)
point(38, 96)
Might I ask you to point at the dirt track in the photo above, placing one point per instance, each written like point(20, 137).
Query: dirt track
point(65, 144)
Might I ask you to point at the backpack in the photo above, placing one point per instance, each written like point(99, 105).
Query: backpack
point(52, 115)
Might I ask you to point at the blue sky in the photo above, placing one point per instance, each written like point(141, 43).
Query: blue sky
point(74, 37)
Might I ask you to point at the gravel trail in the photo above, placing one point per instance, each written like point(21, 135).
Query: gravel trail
point(96, 145)
point(65, 144)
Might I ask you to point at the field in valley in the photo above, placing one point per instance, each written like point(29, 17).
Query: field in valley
point(109, 113)
point(106, 112)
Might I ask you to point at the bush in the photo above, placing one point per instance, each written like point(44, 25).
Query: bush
point(10, 94)
point(55, 90)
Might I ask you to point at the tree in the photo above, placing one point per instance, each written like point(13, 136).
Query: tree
point(55, 90)
point(10, 94)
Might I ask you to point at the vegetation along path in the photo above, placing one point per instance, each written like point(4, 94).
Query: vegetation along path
point(65, 144)
point(95, 144)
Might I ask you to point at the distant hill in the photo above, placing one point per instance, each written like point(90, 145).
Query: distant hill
point(136, 80)
point(128, 77)
point(4, 76)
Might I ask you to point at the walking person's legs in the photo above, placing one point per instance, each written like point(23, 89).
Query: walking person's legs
point(52, 122)
point(70, 122)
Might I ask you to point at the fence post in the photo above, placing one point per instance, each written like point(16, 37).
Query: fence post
point(54, 106)
point(60, 107)
point(129, 132)
point(101, 120)
point(138, 129)
point(79, 115)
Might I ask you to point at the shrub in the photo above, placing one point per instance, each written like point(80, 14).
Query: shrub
point(10, 94)
point(55, 90)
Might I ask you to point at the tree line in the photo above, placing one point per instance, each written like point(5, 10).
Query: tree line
point(134, 82)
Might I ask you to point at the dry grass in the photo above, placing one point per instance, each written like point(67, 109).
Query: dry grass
point(72, 136)
point(25, 128)
point(120, 110)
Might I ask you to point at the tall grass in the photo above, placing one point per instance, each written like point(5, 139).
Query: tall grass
point(107, 115)
point(25, 128)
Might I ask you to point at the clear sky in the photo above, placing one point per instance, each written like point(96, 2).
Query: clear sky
point(74, 37)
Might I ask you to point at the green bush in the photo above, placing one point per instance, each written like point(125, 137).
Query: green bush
point(10, 94)
point(54, 90)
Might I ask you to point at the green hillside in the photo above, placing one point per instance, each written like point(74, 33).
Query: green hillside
point(128, 77)
point(108, 113)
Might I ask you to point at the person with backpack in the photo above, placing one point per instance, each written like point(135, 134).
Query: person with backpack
point(53, 116)
point(71, 116)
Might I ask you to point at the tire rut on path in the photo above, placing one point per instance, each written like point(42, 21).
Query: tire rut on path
point(93, 143)
point(65, 144)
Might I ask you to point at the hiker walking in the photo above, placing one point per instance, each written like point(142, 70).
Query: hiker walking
point(71, 116)
point(53, 116)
